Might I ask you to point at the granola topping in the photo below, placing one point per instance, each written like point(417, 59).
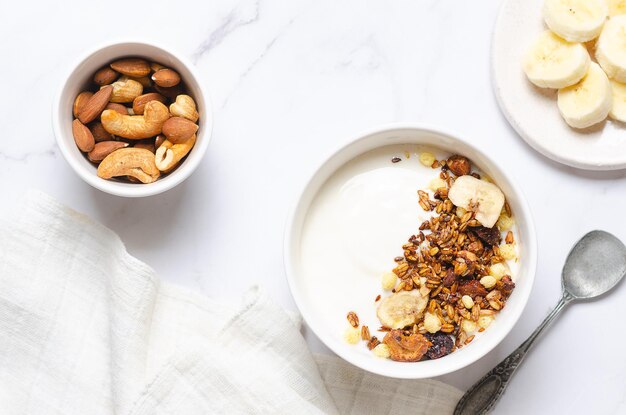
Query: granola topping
point(452, 277)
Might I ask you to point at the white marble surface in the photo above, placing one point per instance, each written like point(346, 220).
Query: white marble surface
point(290, 82)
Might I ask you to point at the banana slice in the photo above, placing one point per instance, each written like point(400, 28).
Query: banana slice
point(610, 50)
point(617, 7)
point(552, 62)
point(484, 198)
point(401, 309)
point(575, 20)
point(618, 109)
point(589, 101)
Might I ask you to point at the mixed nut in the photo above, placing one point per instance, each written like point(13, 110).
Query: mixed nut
point(137, 123)
point(453, 277)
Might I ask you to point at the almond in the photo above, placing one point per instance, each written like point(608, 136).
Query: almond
point(459, 165)
point(171, 92)
point(159, 140)
point(105, 76)
point(140, 102)
point(117, 108)
point(95, 105)
point(166, 78)
point(156, 66)
point(134, 67)
point(99, 133)
point(178, 129)
point(82, 136)
point(103, 149)
point(80, 101)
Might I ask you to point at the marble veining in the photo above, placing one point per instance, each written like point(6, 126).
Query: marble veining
point(290, 82)
point(230, 23)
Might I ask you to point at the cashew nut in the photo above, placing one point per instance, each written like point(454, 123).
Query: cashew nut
point(136, 127)
point(184, 107)
point(125, 90)
point(133, 162)
point(168, 155)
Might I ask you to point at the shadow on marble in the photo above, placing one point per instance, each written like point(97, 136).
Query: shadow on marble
point(146, 221)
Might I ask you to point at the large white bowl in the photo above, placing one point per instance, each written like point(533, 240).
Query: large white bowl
point(309, 305)
point(81, 75)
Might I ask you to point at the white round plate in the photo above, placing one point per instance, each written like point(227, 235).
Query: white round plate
point(532, 111)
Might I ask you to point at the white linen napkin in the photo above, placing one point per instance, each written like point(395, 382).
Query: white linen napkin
point(85, 328)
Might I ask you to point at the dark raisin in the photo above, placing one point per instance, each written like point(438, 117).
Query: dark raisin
point(396, 159)
point(450, 278)
point(490, 236)
point(453, 298)
point(441, 345)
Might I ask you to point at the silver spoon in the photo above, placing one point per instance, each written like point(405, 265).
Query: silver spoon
point(594, 266)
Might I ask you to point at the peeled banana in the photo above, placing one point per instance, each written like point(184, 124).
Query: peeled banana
point(589, 101)
point(575, 20)
point(611, 50)
point(552, 62)
point(618, 109)
point(484, 198)
point(401, 309)
point(617, 7)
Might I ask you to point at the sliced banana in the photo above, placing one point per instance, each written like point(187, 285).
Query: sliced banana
point(575, 20)
point(617, 7)
point(401, 309)
point(618, 109)
point(552, 62)
point(611, 48)
point(484, 198)
point(589, 101)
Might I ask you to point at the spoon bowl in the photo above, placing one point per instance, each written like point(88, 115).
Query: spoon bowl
point(594, 265)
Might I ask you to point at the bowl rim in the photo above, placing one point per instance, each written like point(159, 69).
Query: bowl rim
point(289, 242)
point(118, 188)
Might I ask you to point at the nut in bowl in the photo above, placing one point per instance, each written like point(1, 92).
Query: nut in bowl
point(409, 233)
point(132, 119)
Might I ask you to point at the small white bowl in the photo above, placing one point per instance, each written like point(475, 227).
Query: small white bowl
point(310, 305)
point(80, 77)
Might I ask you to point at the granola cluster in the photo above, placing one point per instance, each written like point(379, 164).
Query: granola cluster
point(457, 266)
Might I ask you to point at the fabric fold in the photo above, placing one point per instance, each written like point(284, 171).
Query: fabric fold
point(86, 328)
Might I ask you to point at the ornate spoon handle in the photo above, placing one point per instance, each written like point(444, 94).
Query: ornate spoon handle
point(483, 395)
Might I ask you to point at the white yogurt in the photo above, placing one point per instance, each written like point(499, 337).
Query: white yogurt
point(356, 226)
